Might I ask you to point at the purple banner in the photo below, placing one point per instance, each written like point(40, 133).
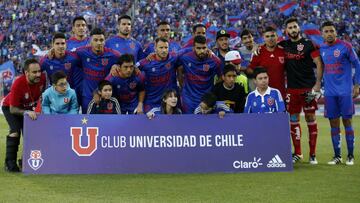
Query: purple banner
point(102, 144)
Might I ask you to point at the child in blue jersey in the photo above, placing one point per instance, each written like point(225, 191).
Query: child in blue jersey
point(128, 86)
point(168, 106)
point(263, 99)
point(210, 105)
point(339, 57)
point(107, 104)
point(59, 98)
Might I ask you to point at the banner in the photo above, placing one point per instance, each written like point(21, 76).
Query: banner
point(103, 144)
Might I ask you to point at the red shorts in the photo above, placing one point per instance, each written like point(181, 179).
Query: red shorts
point(295, 99)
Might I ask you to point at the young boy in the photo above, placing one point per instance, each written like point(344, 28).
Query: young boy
point(107, 103)
point(209, 105)
point(59, 98)
point(232, 93)
point(264, 99)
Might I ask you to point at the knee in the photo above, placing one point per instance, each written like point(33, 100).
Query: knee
point(310, 118)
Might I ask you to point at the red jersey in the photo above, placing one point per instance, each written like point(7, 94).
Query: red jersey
point(275, 65)
point(24, 95)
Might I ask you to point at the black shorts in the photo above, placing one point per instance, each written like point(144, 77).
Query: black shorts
point(15, 122)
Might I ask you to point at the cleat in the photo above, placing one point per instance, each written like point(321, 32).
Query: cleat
point(11, 166)
point(312, 160)
point(335, 161)
point(350, 160)
point(296, 158)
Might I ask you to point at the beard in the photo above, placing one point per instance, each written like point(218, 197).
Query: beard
point(294, 35)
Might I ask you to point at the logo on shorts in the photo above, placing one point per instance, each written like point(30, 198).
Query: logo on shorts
point(300, 47)
point(66, 100)
point(206, 67)
point(281, 59)
point(104, 62)
point(110, 106)
point(35, 161)
point(67, 66)
point(337, 53)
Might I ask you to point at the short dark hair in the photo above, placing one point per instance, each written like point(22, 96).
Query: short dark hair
point(125, 58)
point(209, 99)
point(259, 70)
point(229, 68)
point(163, 23)
point(28, 62)
point(58, 35)
point(78, 18)
point(162, 39)
point(55, 77)
point(269, 29)
point(97, 31)
point(327, 23)
point(124, 17)
point(290, 20)
point(200, 39)
point(103, 83)
point(198, 25)
point(245, 32)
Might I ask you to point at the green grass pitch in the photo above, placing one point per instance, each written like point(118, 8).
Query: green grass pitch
point(321, 183)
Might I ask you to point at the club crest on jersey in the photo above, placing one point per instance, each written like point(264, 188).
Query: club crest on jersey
point(104, 62)
point(270, 101)
point(132, 45)
point(206, 67)
point(300, 47)
point(337, 53)
point(281, 59)
point(110, 106)
point(132, 85)
point(26, 95)
point(67, 66)
point(35, 161)
point(168, 66)
point(66, 100)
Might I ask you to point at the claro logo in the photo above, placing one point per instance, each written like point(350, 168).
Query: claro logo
point(247, 164)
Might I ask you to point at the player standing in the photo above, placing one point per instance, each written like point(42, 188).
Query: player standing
point(79, 38)
point(338, 57)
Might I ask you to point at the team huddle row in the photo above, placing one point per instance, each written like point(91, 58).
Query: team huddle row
point(117, 76)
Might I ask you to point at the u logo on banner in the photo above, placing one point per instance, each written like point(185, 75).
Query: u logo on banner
point(91, 133)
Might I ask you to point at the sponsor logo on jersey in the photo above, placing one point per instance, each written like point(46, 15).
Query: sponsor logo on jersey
point(35, 161)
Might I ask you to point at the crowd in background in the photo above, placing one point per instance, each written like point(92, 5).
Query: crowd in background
point(27, 22)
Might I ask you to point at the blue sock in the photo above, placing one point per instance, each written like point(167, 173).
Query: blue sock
point(349, 132)
point(336, 141)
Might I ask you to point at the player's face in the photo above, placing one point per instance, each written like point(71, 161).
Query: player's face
point(200, 50)
point(79, 28)
point(106, 92)
point(270, 39)
point(125, 27)
point(164, 31)
point(33, 73)
point(61, 86)
point(59, 46)
point(171, 100)
point(162, 49)
point(248, 40)
point(126, 69)
point(200, 31)
point(293, 30)
point(98, 43)
point(329, 34)
point(223, 43)
point(229, 79)
point(262, 81)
